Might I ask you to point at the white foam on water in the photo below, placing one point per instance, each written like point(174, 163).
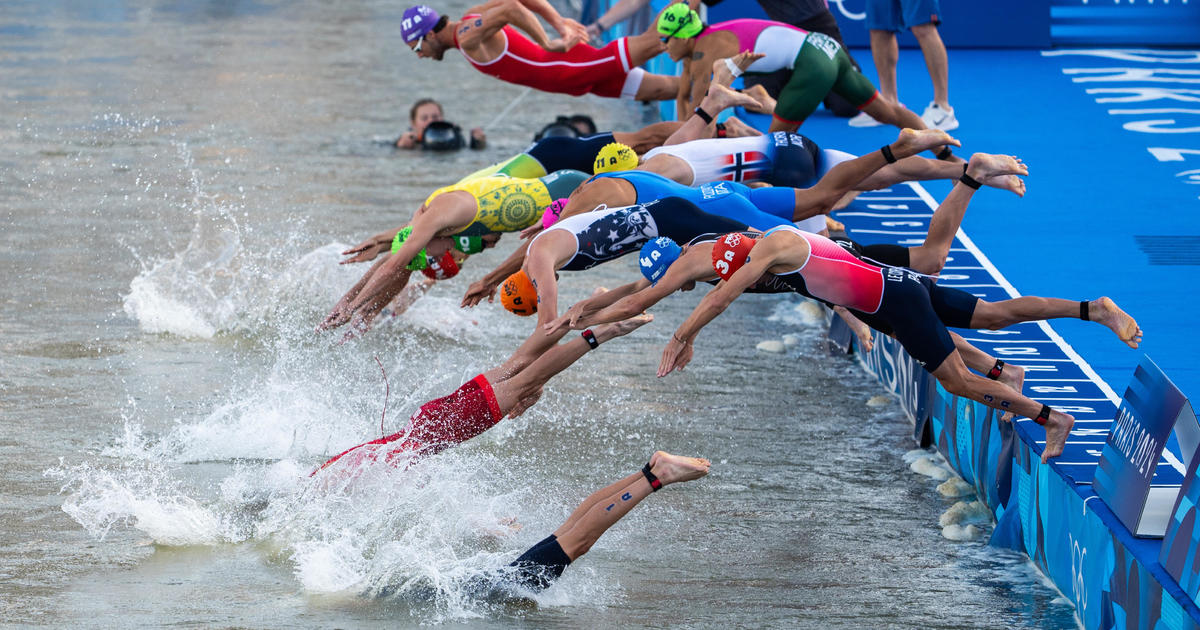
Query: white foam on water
point(146, 498)
point(960, 533)
point(929, 467)
point(774, 346)
point(955, 487)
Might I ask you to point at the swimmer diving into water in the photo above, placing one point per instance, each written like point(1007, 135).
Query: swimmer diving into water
point(504, 391)
point(488, 40)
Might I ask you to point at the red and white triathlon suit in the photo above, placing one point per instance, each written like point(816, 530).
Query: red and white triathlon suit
point(436, 426)
point(581, 70)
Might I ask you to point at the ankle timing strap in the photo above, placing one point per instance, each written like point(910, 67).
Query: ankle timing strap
point(945, 153)
point(887, 154)
point(967, 179)
point(1043, 415)
point(994, 373)
point(705, 116)
point(721, 133)
point(1083, 311)
point(655, 484)
point(590, 338)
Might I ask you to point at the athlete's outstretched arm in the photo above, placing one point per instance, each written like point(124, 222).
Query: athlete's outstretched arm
point(568, 28)
point(496, 15)
point(372, 247)
point(692, 266)
point(591, 305)
point(486, 286)
point(388, 278)
point(678, 352)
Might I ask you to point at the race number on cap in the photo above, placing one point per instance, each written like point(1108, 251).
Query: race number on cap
point(615, 156)
point(730, 252)
point(518, 295)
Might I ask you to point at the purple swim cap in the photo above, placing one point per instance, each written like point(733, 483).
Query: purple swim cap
point(416, 22)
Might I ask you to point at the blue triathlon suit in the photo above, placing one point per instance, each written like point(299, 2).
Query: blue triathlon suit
point(761, 208)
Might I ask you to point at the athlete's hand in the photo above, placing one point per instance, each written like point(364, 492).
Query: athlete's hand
point(477, 291)
point(338, 316)
point(360, 323)
point(569, 320)
point(367, 250)
point(572, 29)
point(531, 231)
point(559, 44)
point(674, 357)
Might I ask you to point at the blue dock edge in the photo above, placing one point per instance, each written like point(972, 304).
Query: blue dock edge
point(1048, 511)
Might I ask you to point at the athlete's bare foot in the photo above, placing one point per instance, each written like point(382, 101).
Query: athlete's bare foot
point(764, 98)
point(1014, 377)
point(1058, 428)
point(720, 98)
point(605, 332)
point(674, 468)
point(720, 69)
point(598, 291)
point(1011, 183)
point(833, 225)
point(735, 128)
point(1105, 311)
point(913, 141)
point(984, 165)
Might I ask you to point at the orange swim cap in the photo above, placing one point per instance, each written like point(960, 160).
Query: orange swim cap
point(518, 294)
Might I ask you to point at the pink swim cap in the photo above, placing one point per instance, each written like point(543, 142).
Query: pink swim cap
point(550, 216)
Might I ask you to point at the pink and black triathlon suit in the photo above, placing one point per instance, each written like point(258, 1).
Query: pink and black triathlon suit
point(436, 426)
point(894, 300)
point(581, 70)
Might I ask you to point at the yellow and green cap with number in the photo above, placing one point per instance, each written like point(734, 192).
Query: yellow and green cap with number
point(679, 20)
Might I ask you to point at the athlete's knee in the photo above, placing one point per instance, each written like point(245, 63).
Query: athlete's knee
point(987, 315)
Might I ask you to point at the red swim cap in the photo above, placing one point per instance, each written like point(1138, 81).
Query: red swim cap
point(518, 295)
point(441, 268)
point(730, 252)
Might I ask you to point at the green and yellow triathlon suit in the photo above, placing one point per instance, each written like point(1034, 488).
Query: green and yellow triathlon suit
point(511, 204)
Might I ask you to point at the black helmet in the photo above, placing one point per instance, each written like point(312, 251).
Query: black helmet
point(560, 128)
point(584, 124)
point(442, 136)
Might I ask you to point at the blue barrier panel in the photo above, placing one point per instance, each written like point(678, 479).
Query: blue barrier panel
point(1048, 511)
point(1181, 546)
point(1150, 409)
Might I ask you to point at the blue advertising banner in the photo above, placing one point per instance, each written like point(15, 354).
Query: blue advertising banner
point(1180, 553)
point(1150, 409)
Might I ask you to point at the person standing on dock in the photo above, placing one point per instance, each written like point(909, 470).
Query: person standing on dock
point(489, 38)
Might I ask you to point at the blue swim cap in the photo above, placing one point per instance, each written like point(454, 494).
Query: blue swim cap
point(657, 256)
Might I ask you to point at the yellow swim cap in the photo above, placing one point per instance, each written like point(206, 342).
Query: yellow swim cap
point(615, 156)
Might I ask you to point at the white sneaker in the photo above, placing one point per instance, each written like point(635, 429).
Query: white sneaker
point(863, 119)
point(936, 117)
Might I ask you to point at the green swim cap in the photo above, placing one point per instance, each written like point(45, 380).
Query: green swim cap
point(421, 260)
point(468, 244)
point(679, 20)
